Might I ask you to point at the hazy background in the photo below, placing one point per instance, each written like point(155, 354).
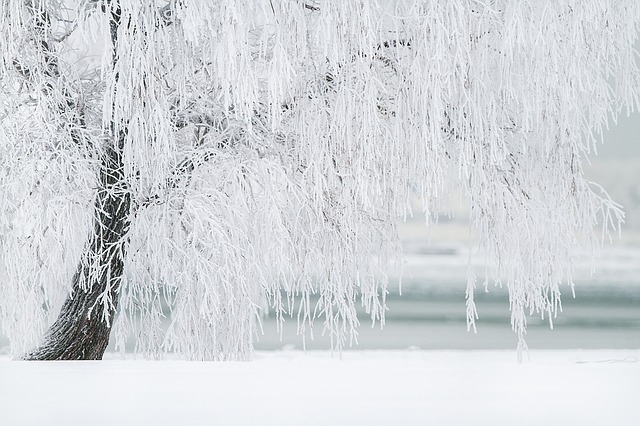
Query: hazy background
point(617, 169)
point(431, 312)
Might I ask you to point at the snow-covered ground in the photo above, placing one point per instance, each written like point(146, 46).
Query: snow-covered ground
point(559, 387)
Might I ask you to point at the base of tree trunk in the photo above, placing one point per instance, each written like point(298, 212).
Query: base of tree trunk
point(79, 333)
point(82, 329)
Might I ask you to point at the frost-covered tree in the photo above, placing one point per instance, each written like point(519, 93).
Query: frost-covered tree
point(230, 158)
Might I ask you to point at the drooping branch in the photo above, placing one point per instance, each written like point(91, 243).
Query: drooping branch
point(56, 86)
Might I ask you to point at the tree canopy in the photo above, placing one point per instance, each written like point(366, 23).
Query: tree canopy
point(260, 154)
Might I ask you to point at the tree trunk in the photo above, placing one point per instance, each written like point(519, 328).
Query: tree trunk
point(84, 324)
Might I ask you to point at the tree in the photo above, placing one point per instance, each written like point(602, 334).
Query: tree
point(229, 158)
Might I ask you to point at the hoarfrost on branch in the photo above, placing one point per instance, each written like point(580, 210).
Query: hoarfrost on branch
point(268, 148)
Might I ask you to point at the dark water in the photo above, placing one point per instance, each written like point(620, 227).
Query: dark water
point(434, 317)
point(431, 313)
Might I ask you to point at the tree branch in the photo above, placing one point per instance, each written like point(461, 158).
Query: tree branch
point(68, 105)
point(310, 7)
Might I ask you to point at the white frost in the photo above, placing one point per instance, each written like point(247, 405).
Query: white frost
point(270, 148)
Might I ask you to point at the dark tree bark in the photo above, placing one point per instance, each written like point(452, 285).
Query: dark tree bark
point(82, 329)
point(84, 324)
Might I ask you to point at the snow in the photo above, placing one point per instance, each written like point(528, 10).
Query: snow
point(586, 387)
